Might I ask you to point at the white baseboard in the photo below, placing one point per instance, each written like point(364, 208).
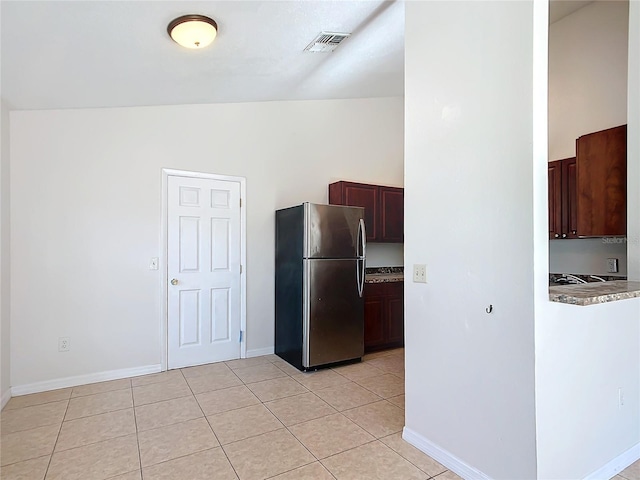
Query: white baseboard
point(6, 396)
point(450, 461)
point(258, 352)
point(618, 464)
point(83, 379)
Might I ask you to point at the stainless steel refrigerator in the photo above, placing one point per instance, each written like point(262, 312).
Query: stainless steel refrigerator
point(320, 266)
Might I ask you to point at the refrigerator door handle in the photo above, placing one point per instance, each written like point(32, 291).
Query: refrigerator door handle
point(360, 264)
point(362, 239)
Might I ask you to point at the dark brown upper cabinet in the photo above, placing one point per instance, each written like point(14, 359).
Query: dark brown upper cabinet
point(562, 199)
point(602, 183)
point(383, 208)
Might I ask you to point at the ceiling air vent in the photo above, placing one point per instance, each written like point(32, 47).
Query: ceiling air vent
point(326, 42)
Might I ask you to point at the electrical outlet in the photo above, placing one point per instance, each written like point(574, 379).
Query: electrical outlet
point(612, 265)
point(420, 273)
point(64, 344)
point(620, 398)
point(153, 264)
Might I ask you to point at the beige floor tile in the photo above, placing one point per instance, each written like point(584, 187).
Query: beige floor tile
point(259, 373)
point(243, 423)
point(158, 392)
point(276, 388)
point(320, 379)
point(262, 456)
point(28, 444)
point(357, 371)
point(34, 469)
point(379, 419)
point(618, 477)
point(300, 408)
point(347, 395)
point(397, 401)
point(135, 475)
point(94, 429)
point(632, 472)
point(373, 355)
point(212, 382)
point(389, 363)
point(26, 418)
point(373, 461)
point(208, 369)
point(313, 471)
point(97, 461)
point(206, 465)
point(101, 387)
point(448, 475)
point(249, 362)
point(421, 460)
point(330, 435)
point(168, 412)
point(169, 376)
point(173, 441)
point(226, 399)
point(38, 398)
point(386, 385)
point(99, 403)
point(286, 367)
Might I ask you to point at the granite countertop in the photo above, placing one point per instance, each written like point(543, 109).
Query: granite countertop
point(384, 274)
point(383, 277)
point(594, 293)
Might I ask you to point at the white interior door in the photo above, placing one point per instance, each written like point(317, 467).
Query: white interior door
point(203, 267)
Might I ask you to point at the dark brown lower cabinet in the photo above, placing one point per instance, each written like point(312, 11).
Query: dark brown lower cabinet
point(383, 315)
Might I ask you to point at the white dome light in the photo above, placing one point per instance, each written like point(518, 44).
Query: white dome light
point(193, 31)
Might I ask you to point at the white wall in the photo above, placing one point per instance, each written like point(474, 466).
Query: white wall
point(5, 284)
point(585, 354)
point(468, 217)
point(385, 255)
point(587, 93)
point(633, 144)
point(86, 208)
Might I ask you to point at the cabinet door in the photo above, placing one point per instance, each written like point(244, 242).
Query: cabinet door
point(602, 183)
point(358, 195)
point(395, 317)
point(391, 214)
point(374, 331)
point(555, 199)
point(569, 198)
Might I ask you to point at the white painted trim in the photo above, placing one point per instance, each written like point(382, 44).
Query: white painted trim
point(65, 382)
point(447, 459)
point(6, 396)
point(617, 465)
point(258, 352)
point(164, 319)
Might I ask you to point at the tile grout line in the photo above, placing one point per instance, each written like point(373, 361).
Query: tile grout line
point(135, 421)
point(46, 472)
point(211, 427)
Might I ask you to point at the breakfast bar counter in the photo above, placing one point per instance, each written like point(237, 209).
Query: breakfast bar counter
point(593, 293)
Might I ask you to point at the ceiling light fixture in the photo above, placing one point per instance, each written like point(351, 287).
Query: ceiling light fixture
point(193, 31)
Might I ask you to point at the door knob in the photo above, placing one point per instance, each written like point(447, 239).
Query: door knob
point(174, 281)
point(556, 235)
point(564, 235)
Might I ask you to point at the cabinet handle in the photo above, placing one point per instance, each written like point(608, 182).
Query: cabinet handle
point(564, 235)
point(557, 235)
point(574, 232)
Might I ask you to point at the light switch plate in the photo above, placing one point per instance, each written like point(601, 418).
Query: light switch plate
point(153, 264)
point(612, 265)
point(420, 273)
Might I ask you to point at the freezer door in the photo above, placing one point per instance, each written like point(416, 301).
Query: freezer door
point(333, 231)
point(334, 313)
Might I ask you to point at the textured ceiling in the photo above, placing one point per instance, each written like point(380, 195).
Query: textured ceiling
point(77, 54)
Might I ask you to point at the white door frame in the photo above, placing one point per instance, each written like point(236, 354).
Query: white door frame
point(164, 310)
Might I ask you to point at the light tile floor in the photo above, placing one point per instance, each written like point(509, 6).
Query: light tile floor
point(255, 418)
